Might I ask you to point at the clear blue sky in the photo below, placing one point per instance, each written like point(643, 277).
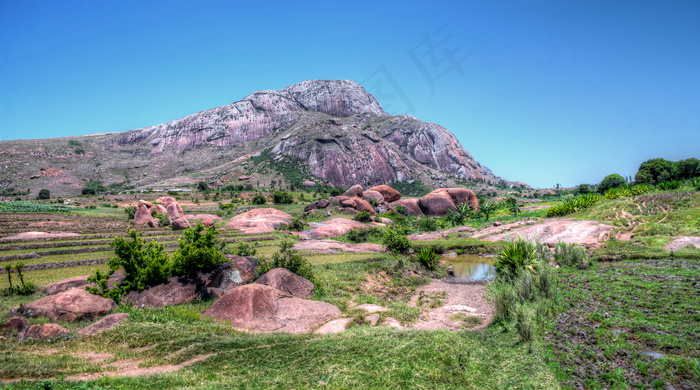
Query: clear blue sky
point(540, 91)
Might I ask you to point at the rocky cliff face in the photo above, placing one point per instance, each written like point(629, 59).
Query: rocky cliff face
point(334, 127)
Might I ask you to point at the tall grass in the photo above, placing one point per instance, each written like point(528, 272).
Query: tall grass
point(571, 255)
point(573, 205)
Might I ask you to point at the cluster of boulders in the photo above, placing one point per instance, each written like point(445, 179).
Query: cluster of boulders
point(166, 205)
point(435, 204)
point(275, 302)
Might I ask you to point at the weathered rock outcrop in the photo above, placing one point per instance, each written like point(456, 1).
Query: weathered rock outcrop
point(287, 281)
point(260, 220)
point(262, 308)
point(334, 227)
point(69, 305)
point(106, 323)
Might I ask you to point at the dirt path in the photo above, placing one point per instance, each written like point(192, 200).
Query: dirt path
point(464, 306)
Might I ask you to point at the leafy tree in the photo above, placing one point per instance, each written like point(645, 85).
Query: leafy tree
point(280, 197)
point(584, 189)
point(44, 194)
point(611, 181)
point(245, 249)
point(688, 169)
point(258, 199)
point(486, 208)
point(197, 252)
point(203, 186)
point(655, 171)
point(93, 187)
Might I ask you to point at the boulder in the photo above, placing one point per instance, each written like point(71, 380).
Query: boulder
point(362, 205)
point(237, 271)
point(287, 281)
point(319, 204)
point(411, 205)
point(369, 194)
point(461, 195)
point(436, 204)
point(176, 216)
point(144, 203)
point(64, 285)
point(260, 220)
point(308, 183)
point(335, 326)
point(332, 246)
point(154, 223)
point(166, 200)
point(160, 209)
point(69, 305)
point(389, 194)
point(44, 332)
point(15, 325)
point(106, 323)
point(175, 291)
point(180, 223)
point(262, 308)
point(334, 227)
point(355, 190)
point(142, 215)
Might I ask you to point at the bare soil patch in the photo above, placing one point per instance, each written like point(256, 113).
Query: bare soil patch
point(460, 302)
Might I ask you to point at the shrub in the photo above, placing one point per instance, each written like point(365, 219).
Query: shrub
point(428, 224)
point(573, 205)
point(365, 234)
point(44, 194)
point(130, 212)
point(583, 189)
point(504, 300)
point(670, 185)
point(203, 186)
point(335, 191)
point(93, 187)
point(570, 255)
point(290, 259)
point(297, 225)
point(363, 216)
point(427, 258)
point(523, 322)
point(280, 197)
point(396, 241)
point(516, 257)
point(245, 249)
point(163, 219)
point(611, 181)
point(401, 210)
point(197, 252)
point(258, 199)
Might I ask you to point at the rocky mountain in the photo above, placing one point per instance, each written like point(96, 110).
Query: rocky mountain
point(330, 131)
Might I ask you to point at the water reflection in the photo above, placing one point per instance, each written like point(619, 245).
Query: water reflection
point(470, 267)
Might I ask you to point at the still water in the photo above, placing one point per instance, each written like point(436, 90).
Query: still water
point(470, 267)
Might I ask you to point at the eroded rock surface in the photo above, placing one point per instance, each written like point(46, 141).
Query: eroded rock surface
point(262, 308)
point(263, 220)
point(332, 246)
point(69, 305)
point(334, 227)
point(106, 323)
point(287, 281)
point(552, 231)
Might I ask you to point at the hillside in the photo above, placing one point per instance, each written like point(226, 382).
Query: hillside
point(331, 132)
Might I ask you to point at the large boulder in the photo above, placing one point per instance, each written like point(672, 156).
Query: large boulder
point(166, 200)
point(436, 204)
point(287, 281)
point(461, 195)
point(334, 227)
point(369, 195)
point(362, 205)
point(175, 291)
point(106, 323)
point(260, 220)
point(64, 285)
point(411, 205)
point(389, 194)
point(237, 271)
point(142, 215)
point(69, 305)
point(262, 308)
point(355, 190)
point(176, 216)
point(44, 332)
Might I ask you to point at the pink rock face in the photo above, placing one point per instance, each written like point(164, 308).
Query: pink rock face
point(436, 204)
point(308, 183)
point(237, 271)
point(362, 205)
point(203, 217)
point(461, 195)
point(334, 227)
point(160, 209)
point(287, 281)
point(588, 233)
point(355, 190)
point(411, 205)
point(262, 308)
point(142, 215)
point(69, 305)
point(260, 220)
point(106, 323)
point(332, 246)
point(66, 284)
point(369, 194)
point(174, 292)
point(46, 331)
point(389, 194)
point(15, 325)
point(165, 200)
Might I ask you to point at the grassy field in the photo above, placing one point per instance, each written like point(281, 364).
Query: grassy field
point(630, 321)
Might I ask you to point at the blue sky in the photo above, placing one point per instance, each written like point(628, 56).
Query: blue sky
point(540, 91)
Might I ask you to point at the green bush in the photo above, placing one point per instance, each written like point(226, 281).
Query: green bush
point(572, 205)
point(516, 257)
point(130, 212)
point(335, 191)
point(611, 181)
point(365, 234)
point(197, 252)
point(428, 258)
point(93, 187)
point(245, 249)
point(290, 259)
point(44, 194)
point(401, 210)
point(570, 255)
point(363, 216)
point(258, 199)
point(297, 224)
point(428, 224)
point(163, 219)
point(396, 241)
point(670, 185)
point(280, 197)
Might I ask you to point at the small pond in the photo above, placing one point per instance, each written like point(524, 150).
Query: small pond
point(471, 267)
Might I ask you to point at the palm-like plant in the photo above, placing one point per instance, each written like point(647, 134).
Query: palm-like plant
point(486, 208)
point(515, 257)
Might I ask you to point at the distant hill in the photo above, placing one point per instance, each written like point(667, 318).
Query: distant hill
point(326, 131)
